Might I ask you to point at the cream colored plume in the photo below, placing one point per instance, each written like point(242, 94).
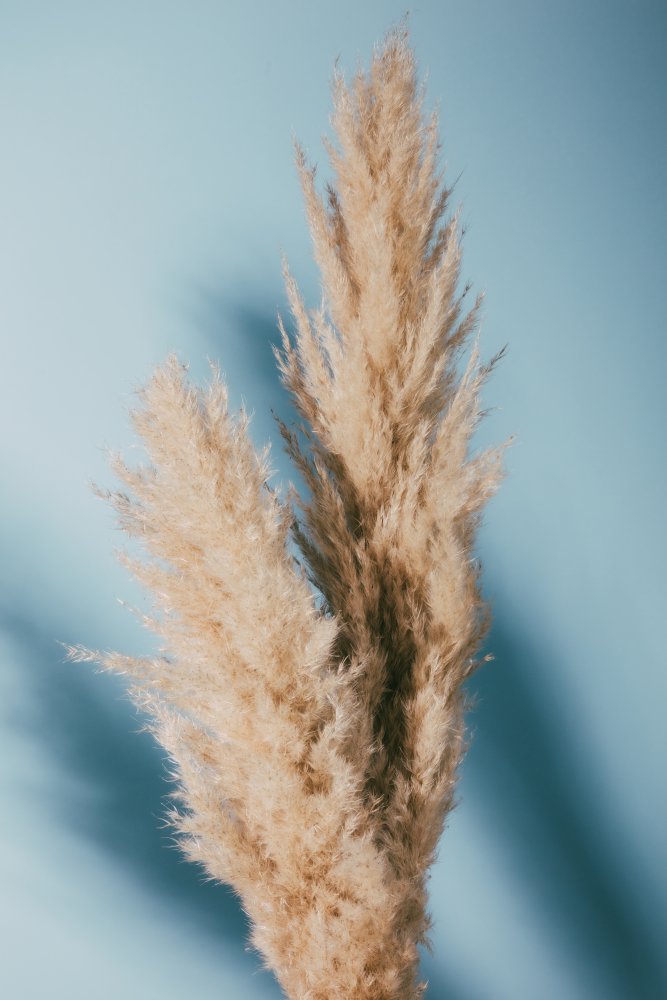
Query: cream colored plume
point(313, 711)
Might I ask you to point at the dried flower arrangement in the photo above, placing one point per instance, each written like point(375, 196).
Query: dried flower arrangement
point(312, 707)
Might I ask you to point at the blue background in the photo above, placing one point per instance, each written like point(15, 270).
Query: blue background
point(147, 188)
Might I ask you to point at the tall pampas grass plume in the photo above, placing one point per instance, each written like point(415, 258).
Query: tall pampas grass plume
point(312, 708)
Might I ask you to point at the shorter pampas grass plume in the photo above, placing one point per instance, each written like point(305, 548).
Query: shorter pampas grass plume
point(312, 708)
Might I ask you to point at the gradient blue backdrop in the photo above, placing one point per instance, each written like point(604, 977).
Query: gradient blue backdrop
point(146, 190)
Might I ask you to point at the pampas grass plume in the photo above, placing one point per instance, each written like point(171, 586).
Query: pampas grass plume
point(313, 709)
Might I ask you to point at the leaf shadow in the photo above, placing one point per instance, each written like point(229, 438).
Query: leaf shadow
point(528, 765)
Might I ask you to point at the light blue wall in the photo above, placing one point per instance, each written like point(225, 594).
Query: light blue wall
point(146, 191)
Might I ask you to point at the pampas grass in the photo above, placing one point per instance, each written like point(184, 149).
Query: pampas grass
point(313, 708)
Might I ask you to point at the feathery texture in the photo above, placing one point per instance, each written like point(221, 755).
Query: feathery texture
point(316, 749)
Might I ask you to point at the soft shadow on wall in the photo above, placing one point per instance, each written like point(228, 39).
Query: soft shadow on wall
point(527, 764)
point(90, 741)
point(238, 334)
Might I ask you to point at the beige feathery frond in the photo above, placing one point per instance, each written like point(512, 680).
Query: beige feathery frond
point(316, 750)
